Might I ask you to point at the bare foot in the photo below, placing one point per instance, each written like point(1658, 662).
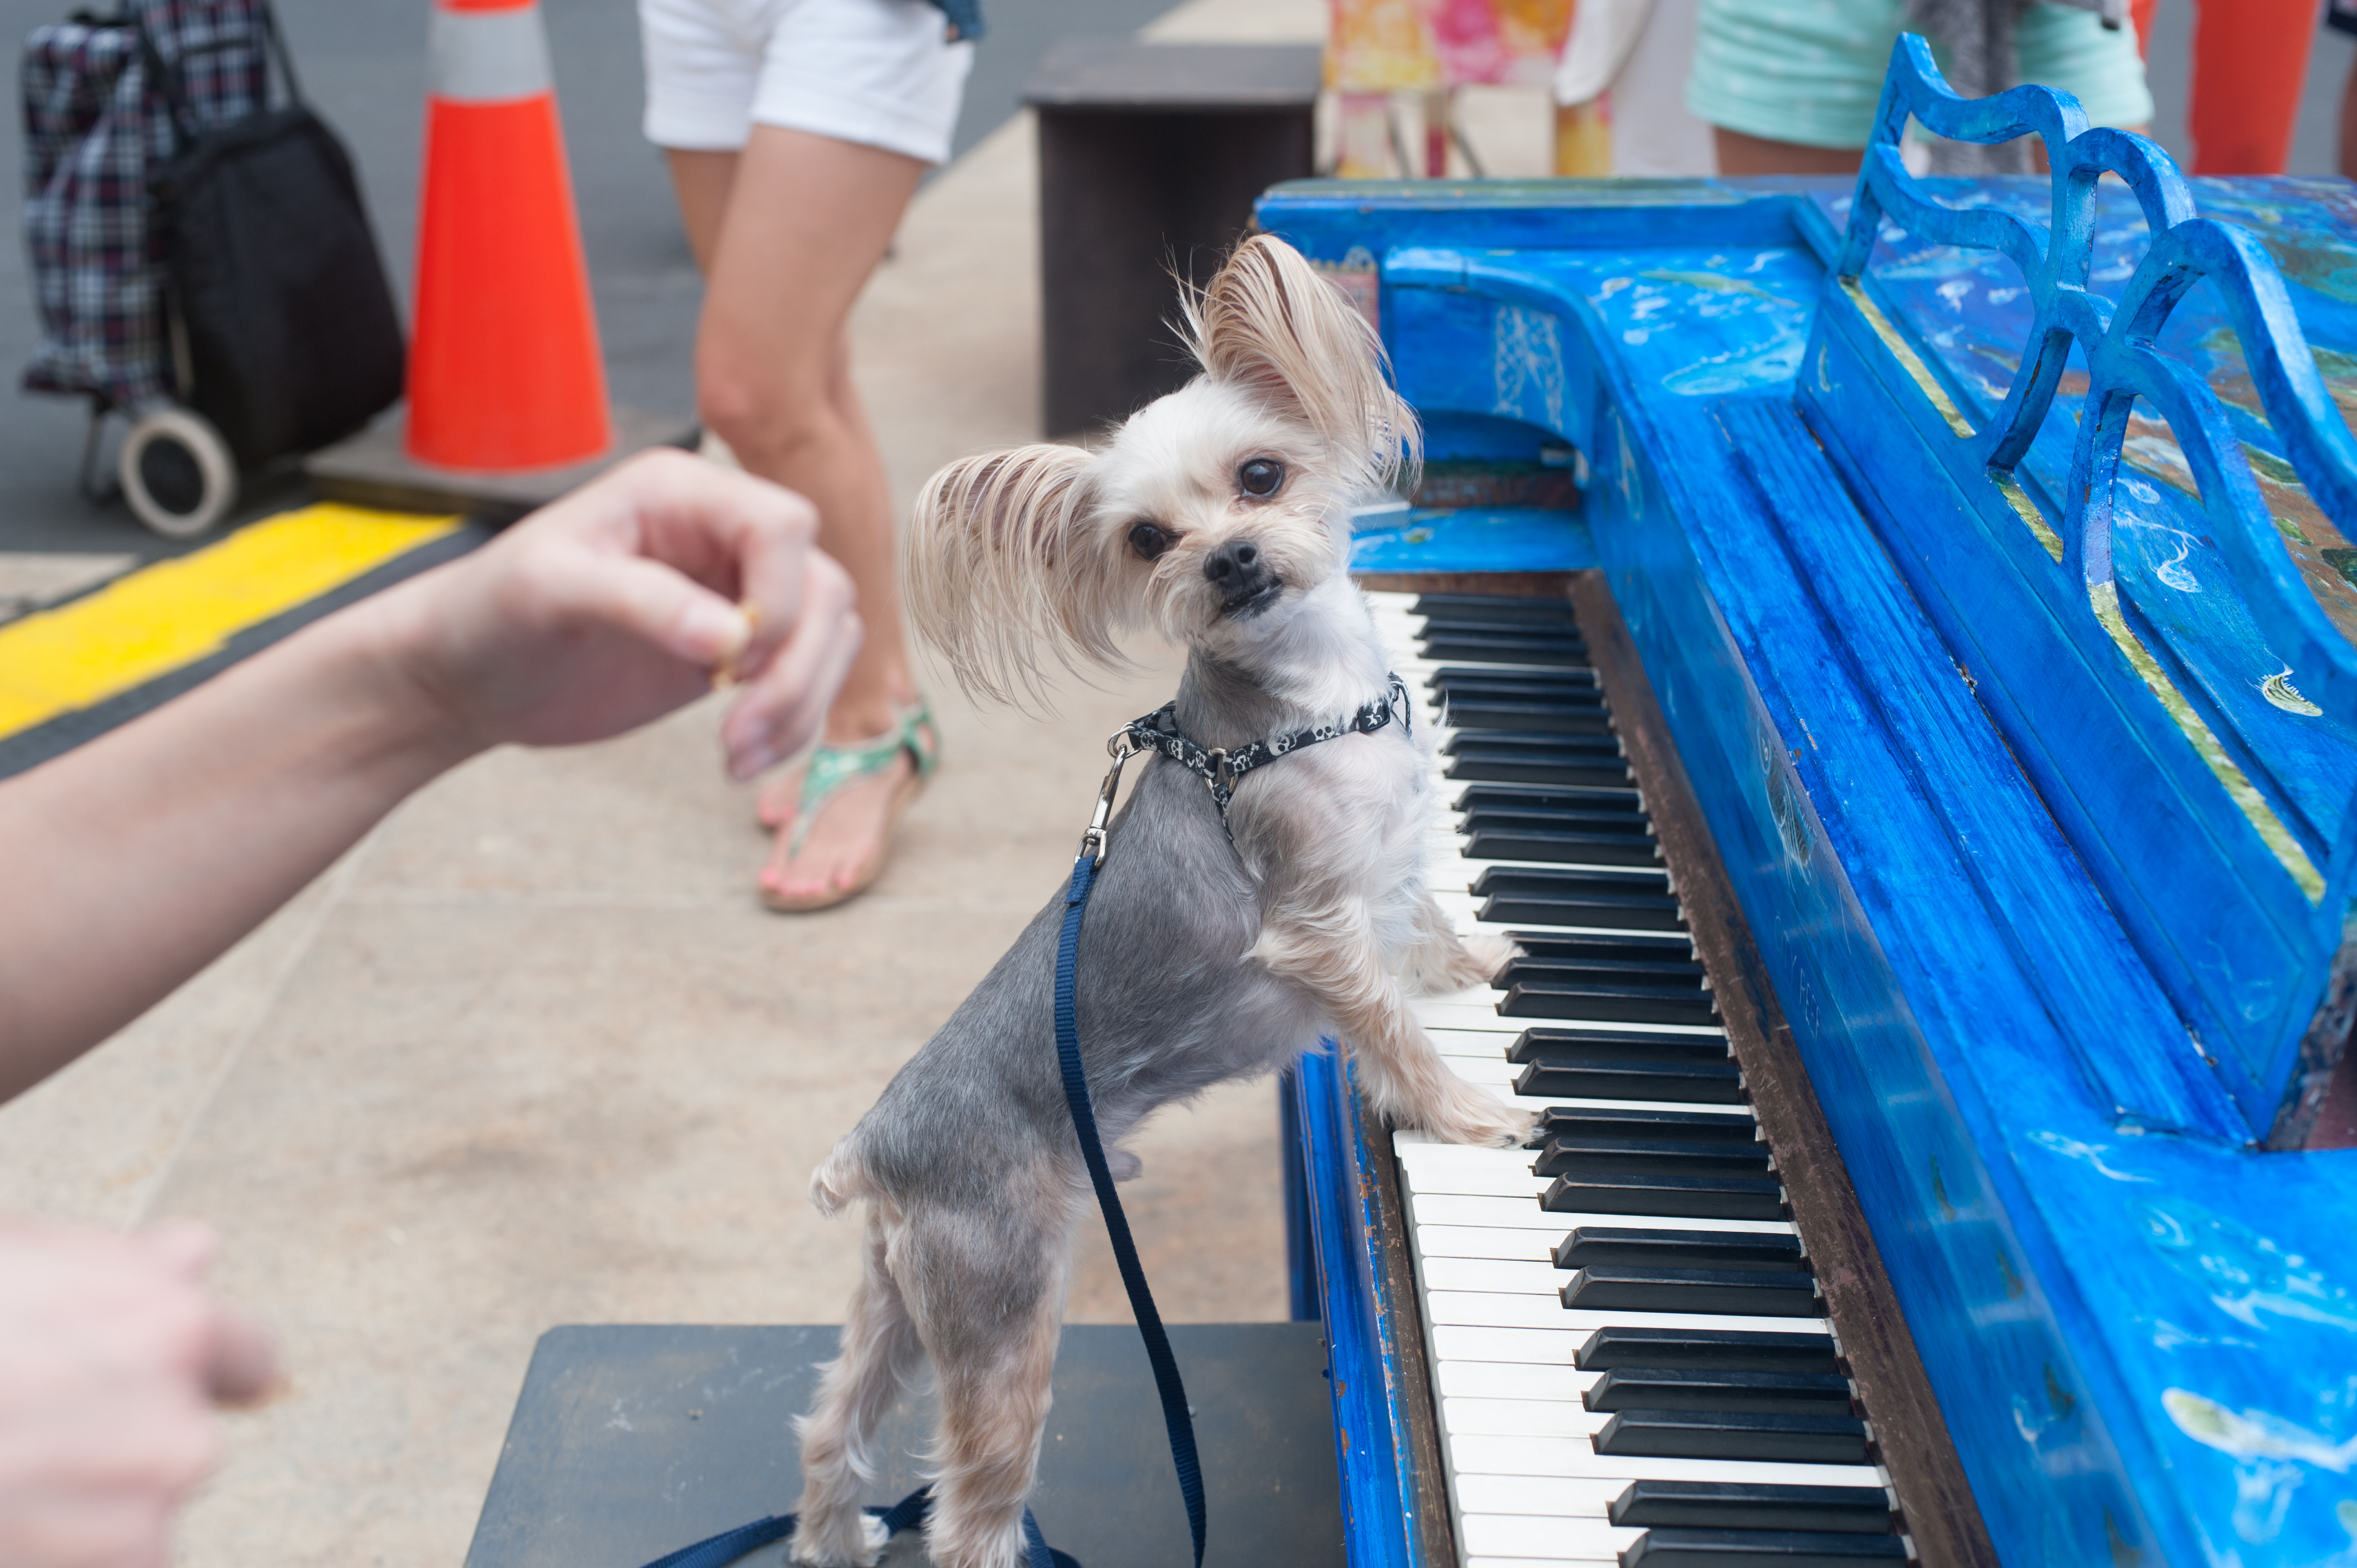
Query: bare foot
point(844, 844)
point(779, 798)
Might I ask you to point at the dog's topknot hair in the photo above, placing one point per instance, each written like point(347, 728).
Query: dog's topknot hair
point(1269, 324)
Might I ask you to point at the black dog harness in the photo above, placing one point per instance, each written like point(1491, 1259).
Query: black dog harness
point(1158, 731)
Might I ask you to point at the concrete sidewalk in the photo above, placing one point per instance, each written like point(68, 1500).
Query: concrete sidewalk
point(533, 1054)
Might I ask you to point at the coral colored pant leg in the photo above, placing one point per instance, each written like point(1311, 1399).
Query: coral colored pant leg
point(2250, 61)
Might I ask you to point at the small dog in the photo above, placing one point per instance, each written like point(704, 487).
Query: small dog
point(1220, 516)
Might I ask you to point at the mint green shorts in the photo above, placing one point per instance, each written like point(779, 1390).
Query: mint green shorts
point(1811, 70)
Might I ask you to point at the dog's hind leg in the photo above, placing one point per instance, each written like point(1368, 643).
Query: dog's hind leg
point(879, 1355)
point(990, 1308)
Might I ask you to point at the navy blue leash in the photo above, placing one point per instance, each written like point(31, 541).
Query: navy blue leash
point(1176, 1414)
point(719, 1550)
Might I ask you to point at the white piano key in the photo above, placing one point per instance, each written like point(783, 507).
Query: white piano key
point(1473, 1182)
point(1520, 1418)
point(1524, 1214)
point(1528, 1537)
point(1587, 1497)
point(1510, 1379)
point(1450, 1308)
point(1537, 1561)
point(1497, 1074)
point(1425, 1152)
point(1494, 1275)
point(1492, 1243)
point(1577, 1457)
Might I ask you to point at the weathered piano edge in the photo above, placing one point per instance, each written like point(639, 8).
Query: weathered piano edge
point(1910, 1434)
point(1386, 1432)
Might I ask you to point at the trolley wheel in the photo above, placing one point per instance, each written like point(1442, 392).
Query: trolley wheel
point(177, 472)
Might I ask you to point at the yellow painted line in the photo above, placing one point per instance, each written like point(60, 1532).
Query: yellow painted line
point(150, 622)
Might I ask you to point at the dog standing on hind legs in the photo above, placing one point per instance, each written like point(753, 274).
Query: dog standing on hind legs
point(1213, 948)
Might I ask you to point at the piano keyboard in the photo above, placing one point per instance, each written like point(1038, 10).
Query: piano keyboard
point(1627, 1344)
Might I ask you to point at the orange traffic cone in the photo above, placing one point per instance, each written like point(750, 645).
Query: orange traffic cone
point(504, 371)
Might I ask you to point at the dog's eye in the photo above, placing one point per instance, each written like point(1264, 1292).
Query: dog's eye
point(1261, 477)
point(1149, 541)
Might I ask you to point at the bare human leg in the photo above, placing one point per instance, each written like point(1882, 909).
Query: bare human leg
point(788, 231)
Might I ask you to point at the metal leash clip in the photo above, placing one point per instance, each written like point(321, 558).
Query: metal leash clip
point(1121, 748)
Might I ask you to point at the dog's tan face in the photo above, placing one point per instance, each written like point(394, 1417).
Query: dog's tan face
point(1209, 516)
point(1218, 515)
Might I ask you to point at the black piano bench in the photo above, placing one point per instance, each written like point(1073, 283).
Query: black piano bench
point(629, 1442)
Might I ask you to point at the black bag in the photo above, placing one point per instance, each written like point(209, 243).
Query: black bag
point(282, 327)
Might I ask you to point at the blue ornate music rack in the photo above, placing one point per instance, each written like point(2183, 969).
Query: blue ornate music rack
point(1988, 545)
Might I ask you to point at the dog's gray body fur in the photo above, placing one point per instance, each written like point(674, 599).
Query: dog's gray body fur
point(1166, 1005)
point(1203, 958)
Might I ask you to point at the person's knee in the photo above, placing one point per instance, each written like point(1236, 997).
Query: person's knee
point(759, 406)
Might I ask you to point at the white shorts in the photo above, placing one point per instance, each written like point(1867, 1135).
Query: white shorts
point(878, 72)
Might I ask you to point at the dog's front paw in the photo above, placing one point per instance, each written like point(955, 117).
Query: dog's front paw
point(854, 1539)
point(1479, 960)
point(1472, 1115)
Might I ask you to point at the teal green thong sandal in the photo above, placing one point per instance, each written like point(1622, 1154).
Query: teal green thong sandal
point(833, 769)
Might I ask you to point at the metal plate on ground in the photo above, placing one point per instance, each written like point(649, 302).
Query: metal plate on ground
point(630, 1442)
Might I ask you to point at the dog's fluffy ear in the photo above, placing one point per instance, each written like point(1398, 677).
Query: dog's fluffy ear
point(997, 563)
point(1269, 324)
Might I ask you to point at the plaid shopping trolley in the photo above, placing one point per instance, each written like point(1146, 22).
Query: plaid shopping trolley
point(201, 259)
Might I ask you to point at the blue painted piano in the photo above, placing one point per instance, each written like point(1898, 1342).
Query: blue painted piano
point(1892, 643)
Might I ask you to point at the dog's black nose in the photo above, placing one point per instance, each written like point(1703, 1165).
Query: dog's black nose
point(1232, 564)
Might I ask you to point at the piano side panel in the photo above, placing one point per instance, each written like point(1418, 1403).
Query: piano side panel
point(1393, 1512)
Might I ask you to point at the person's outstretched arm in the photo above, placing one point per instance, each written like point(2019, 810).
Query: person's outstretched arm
point(131, 861)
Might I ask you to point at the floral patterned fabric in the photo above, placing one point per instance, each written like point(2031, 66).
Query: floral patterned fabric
point(1380, 45)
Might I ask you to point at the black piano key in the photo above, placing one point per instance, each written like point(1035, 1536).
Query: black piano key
point(1505, 646)
point(1684, 1197)
point(1752, 1394)
point(1559, 1047)
point(1637, 946)
point(1537, 715)
point(1587, 821)
point(1497, 609)
point(1591, 1246)
point(1490, 680)
point(1579, 1154)
point(1620, 967)
point(1707, 1350)
point(1475, 759)
point(1760, 1549)
point(1561, 848)
point(1615, 911)
point(1545, 997)
point(1733, 1293)
point(1631, 1122)
point(1542, 896)
point(1543, 798)
point(1732, 1435)
point(1683, 1083)
point(1753, 1504)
